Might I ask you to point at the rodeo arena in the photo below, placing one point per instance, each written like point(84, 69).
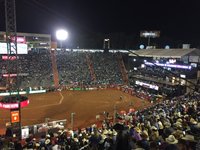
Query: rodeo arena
point(97, 99)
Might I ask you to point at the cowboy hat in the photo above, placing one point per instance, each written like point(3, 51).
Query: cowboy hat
point(114, 132)
point(76, 139)
point(105, 131)
point(137, 130)
point(171, 139)
point(160, 125)
point(167, 124)
point(178, 134)
point(47, 141)
point(178, 125)
point(192, 121)
point(145, 134)
point(189, 137)
point(179, 120)
point(154, 128)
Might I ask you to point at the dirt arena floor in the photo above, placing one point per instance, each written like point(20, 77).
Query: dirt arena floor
point(85, 104)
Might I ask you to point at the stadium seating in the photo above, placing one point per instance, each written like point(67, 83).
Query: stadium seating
point(171, 124)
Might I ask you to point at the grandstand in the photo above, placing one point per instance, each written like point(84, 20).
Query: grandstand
point(171, 69)
point(155, 106)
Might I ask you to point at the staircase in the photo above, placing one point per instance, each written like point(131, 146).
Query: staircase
point(91, 68)
point(122, 69)
point(54, 68)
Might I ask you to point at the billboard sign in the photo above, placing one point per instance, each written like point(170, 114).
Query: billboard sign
point(9, 75)
point(25, 133)
point(5, 57)
point(21, 48)
point(150, 34)
point(19, 39)
point(3, 48)
point(14, 105)
point(15, 117)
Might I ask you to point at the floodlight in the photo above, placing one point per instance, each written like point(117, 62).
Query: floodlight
point(61, 34)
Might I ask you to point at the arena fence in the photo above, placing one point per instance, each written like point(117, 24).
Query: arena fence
point(44, 128)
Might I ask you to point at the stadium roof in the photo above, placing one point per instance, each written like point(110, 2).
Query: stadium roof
point(165, 53)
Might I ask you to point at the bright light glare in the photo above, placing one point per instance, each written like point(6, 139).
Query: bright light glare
point(61, 34)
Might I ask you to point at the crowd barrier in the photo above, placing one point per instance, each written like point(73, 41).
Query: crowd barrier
point(43, 128)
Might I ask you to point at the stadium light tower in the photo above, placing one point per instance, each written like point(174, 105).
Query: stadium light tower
point(61, 35)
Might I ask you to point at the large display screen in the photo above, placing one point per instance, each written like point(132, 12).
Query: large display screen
point(21, 48)
point(147, 85)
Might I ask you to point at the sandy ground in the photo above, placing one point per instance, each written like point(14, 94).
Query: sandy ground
point(85, 104)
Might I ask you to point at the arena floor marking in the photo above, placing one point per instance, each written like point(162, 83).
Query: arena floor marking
point(62, 97)
point(60, 102)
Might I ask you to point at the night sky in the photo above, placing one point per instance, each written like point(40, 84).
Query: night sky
point(176, 19)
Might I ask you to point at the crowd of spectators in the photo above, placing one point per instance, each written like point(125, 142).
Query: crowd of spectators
point(106, 68)
point(13, 99)
point(72, 67)
point(171, 124)
point(35, 69)
point(39, 70)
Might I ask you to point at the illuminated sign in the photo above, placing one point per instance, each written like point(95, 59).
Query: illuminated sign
point(152, 34)
point(21, 48)
point(150, 86)
point(25, 133)
point(14, 116)
point(182, 76)
point(4, 57)
point(14, 105)
point(14, 75)
point(169, 65)
point(19, 39)
point(9, 75)
point(194, 65)
point(172, 61)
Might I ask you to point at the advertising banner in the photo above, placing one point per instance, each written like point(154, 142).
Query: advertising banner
point(14, 116)
point(25, 133)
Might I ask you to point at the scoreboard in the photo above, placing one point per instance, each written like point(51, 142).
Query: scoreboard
point(21, 48)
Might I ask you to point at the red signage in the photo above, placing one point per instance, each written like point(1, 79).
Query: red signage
point(14, 105)
point(4, 57)
point(19, 39)
point(9, 75)
point(14, 116)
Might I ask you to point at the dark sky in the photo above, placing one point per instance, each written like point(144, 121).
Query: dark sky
point(176, 19)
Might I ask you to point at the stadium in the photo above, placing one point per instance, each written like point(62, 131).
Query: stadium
point(92, 97)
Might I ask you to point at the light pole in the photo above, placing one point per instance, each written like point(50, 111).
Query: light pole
point(114, 114)
point(61, 35)
point(72, 120)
